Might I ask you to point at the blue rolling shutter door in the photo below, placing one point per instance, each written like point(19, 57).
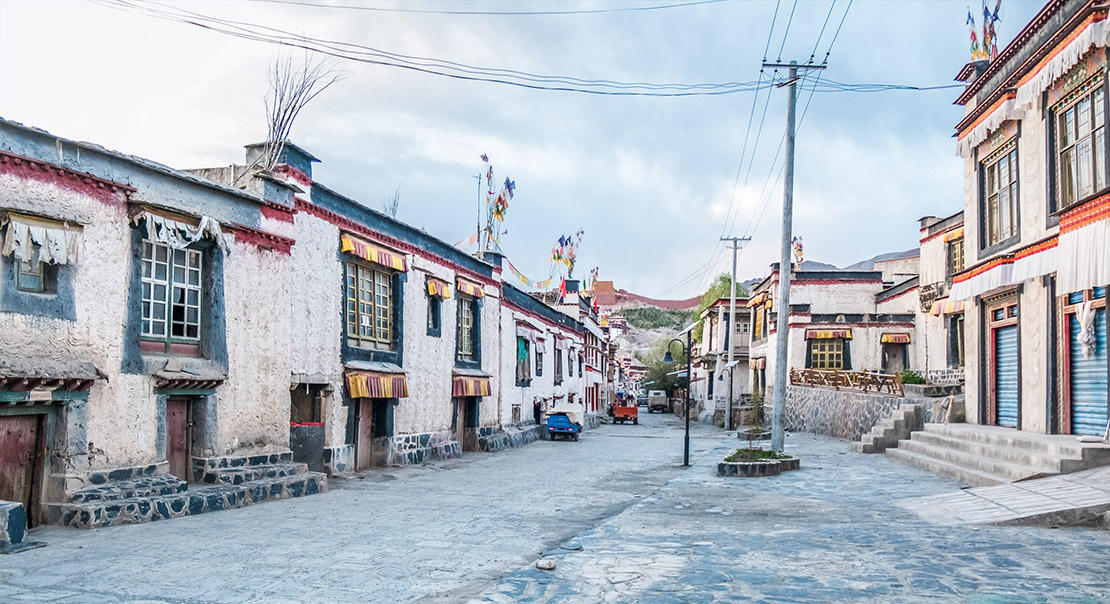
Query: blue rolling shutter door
point(1006, 375)
point(1088, 380)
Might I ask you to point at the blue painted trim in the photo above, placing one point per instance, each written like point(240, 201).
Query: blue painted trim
point(523, 300)
point(354, 353)
point(213, 344)
point(184, 392)
point(6, 396)
point(372, 219)
point(56, 303)
point(476, 335)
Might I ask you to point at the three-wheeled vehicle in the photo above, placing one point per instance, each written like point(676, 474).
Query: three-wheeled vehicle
point(558, 424)
point(626, 411)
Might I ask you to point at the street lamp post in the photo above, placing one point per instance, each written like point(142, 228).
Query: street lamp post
point(668, 359)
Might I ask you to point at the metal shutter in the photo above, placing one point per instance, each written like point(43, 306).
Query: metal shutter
point(1088, 379)
point(1006, 375)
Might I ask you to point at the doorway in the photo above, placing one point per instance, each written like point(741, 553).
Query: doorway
point(372, 432)
point(895, 359)
point(464, 422)
point(22, 451)
point(178, 436)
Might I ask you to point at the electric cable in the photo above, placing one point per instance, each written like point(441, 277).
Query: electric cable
point(382, 9)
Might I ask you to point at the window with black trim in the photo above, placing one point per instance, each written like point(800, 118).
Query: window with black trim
point(956, 341)
point(539, 363)
point(523, 366)
point(435, 305)
point(826, 353)
point(999, 207)
point(1080, 122)
point(172, 291)
point(558, 367)
point(369, 307)
point(467, 335)
point(955, 256)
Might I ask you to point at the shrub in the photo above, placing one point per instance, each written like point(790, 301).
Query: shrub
point(911, 377)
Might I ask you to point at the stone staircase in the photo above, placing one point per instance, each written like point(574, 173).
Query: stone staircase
point(991, 455)
point(225, 483)
point(898, 426)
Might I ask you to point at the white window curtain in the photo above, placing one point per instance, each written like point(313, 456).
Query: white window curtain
point(58, 242)
point(180, 235)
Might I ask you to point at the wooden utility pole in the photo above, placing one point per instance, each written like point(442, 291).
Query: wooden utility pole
point(730, 338)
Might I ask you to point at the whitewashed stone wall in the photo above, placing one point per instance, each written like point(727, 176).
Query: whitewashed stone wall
point(316, 305)
point(254, 402)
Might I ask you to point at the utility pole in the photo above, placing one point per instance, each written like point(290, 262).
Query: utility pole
point(730, 338)
point(782, 305)
point(479, 220)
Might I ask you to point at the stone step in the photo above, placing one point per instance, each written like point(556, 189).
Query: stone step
point(956, 472)
point(245, 474)
point(1004, 471)
point(147, 486)
point(1051, 463)
point(198, 500)
point(1063, 446)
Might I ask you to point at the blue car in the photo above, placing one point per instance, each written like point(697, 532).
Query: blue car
point(560, 425)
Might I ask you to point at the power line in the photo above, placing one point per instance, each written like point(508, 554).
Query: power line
point(788, 22)
point(382, 9)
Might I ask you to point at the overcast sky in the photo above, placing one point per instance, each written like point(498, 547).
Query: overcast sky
point(649, 179)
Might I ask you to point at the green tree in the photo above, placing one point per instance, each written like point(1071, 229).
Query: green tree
point(661, 376)
point(716, 290)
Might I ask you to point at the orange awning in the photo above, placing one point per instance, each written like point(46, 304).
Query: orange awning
point(373, 253)
point(954, 234)
point(895, 338)
point(365, 384)
point(469, 288)
point(470, 386)
point(438, 287)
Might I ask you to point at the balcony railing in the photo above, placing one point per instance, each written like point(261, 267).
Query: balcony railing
point(860, 381)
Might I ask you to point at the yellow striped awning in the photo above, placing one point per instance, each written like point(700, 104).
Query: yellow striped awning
point(954, 235)
point(373, 253)
point(438, 287)
point(828, 334)
point(470, 386)
point(469, 288)
point(757, 300)
point(367, 384)
point(895, 338)
point(946, 307)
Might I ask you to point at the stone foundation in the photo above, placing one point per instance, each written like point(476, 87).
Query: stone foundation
point(339, 460)
point(839, 413)
point(408, 449)
point(13, 525)
point(945, 377)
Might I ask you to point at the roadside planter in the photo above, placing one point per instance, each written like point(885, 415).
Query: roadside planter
point(753, 463)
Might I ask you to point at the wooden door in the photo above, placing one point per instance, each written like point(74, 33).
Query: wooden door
point(177, 437)
point(364, 433)
point(20, 443)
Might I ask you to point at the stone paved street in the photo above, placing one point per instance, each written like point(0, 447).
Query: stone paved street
point(440, 532)
point(470, 530)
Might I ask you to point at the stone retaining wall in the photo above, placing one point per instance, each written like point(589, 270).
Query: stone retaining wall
point(945, 377)
point(417, 448)
point(840, 413)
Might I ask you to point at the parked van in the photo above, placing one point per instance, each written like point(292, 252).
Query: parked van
point(657, 401)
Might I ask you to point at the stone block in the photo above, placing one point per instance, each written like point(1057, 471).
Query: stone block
point(13, 525)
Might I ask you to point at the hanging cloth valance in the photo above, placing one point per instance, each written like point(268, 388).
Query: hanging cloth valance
point(560, 343)
point(179, 232)
point(1035, 261)
point(828, 334)
point(541, 346)
point(982, 279)
point(946, 307)
point(895, 338)
point(525, 332)
point(365, 384)
point(760, 363)
point(373, 253)
point(1083, 256)
point(437, 287)
point(462, 385)
point(757, 300)
point(469, 288)
point(954, 234)
point(31, 239)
